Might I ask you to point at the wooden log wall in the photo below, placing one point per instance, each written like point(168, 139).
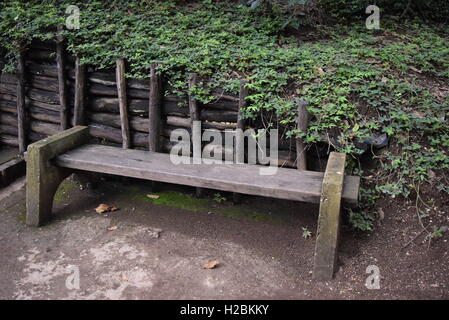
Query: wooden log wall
point(61, 92)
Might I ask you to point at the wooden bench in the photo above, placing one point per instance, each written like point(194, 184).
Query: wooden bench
point(51, 160)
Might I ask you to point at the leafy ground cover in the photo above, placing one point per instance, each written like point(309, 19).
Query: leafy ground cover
point(358, 82)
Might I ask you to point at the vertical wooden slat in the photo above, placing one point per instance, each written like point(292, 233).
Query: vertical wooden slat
point(242, 104)
point(193, 104)
point(302, 123)
point(154, 112)
point(239, 143)
point(62, 81)
point(21, 112)
point(195, 116)
point(79, 112)
point(123, 103)
point(154, 116)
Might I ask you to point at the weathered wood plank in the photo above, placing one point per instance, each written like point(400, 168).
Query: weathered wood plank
point(7, 97)
point(230, 177)
point(7, 154)
point(8, 107)
point(44, 83)
point(179, 122)
point(138, 107)
point(103, 84)
point(154, 111)
point(44, 128)
point(239, 143)
point(302, 124)
point(186, 123)
point(222, 104)
point(44, 96)
point(285, 184)
point(62, 79)
point(102, 90)
point(36, 94)
point(43, 105)
point(326, 254)
point(8, 125)
point(21, 111)
point(154, 115)
point(8, 88)
point(8, 78)
point(218, 125)
point(47, 70)
point(11, 170)
point(9, 140)
point(218, 115)
point(193, 105)
point(9, 119)
point(79, 112)
point(34, 82)
point(123, 103)
point(195, 129)
point(107, 79)
point(113, 120)
point(44, 115)
point(8, 129)
point(138, 139)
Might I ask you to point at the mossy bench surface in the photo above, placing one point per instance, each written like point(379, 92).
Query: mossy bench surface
point(242, 178)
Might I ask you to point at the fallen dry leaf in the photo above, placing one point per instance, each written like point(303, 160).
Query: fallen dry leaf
point(113, 228)
point(381, 214)
point(320, 70)
point(102, 208)
point(152, 196)
point(420, 114)
point(211, 264)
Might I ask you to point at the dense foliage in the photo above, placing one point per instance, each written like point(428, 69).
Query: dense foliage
point(297, 12)
point(435, 10)
point(358, 82)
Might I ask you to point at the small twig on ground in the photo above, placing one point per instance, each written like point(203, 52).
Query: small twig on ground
point(407, 8)
point(414, 238)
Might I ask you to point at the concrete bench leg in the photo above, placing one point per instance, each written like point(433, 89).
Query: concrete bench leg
point(43, 178)
point(326, 250)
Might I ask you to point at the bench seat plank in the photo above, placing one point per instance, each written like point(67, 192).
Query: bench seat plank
point(242, 178)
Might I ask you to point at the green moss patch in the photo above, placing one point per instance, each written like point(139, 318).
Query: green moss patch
point(191, 203)
point(63, 191)
point(178, 200)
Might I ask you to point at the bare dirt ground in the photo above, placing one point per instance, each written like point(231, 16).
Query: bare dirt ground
point(157, 251)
